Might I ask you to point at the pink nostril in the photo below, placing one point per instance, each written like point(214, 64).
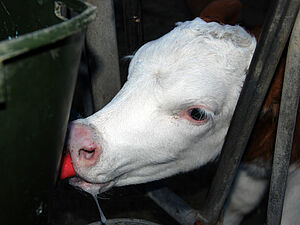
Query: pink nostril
point(82, 146)
point(87, 154)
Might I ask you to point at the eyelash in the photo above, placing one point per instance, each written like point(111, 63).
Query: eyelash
point(196, 114)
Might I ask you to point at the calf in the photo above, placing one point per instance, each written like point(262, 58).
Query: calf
point(172, 116)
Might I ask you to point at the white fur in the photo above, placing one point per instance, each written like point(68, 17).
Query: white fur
point(246, 194)
point(248, 190)
point(291, 205)
point(141, 132)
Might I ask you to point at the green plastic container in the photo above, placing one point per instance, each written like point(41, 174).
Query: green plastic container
point(39, 56)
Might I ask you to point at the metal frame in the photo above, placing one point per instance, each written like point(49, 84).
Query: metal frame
point(268, 52)
point(286, 124)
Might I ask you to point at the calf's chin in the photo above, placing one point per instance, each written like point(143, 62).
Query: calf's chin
point(171, 115)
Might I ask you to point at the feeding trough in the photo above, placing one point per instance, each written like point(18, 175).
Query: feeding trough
point(40, 51)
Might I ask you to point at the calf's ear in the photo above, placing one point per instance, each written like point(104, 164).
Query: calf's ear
point(221, 11)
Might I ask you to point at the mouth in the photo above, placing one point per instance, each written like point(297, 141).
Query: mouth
point(92, 188)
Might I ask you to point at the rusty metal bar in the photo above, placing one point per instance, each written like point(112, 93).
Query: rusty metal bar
point(285, 129)
point(271, 44)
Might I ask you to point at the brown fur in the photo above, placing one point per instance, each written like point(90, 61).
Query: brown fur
point(262, 141)
point(222, 11)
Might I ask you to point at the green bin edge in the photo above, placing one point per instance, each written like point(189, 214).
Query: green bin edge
point(33, 40)
point(11, 51)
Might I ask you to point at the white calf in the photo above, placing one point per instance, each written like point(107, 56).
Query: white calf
point(172, 114)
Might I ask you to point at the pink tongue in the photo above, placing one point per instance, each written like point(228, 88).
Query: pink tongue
point(67, 169)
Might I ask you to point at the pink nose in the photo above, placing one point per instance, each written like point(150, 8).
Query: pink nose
point(81, 144)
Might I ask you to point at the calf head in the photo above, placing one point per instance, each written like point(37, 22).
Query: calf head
point(171, 115)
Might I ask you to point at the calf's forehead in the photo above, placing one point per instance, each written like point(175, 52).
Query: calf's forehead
point(196, 61)
point(195, 47)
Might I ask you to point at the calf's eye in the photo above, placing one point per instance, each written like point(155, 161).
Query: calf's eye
point(197, 114)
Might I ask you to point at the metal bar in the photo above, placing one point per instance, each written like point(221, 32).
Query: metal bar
point(133, 31)
point(173, 205)
point(285, 129)
point(83, 98)
point(271, 44)
point(102, 54)
point(2, 86)
point(133, 25)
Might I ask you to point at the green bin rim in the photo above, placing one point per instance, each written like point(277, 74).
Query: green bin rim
point(35, 39)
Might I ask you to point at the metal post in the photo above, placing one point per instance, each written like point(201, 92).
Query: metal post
point(2, 86)
point(271, 44)
point(133, 31)
point(132, 16)
point(285, 130)
point(102, 54)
